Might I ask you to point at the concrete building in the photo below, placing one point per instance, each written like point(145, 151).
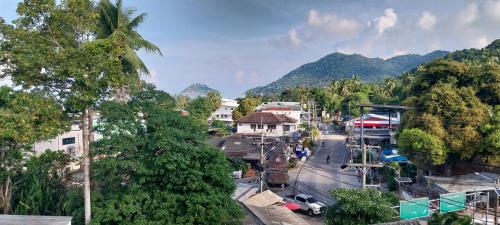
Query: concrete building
point(290, 109)
point(70, 142)
point(266, 122)
point(225, 112)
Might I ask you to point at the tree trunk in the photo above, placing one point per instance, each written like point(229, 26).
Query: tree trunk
point(86, 166)
point(6, 190)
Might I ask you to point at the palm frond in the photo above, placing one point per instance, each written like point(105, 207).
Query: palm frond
point(135, 22)
point(133, 62)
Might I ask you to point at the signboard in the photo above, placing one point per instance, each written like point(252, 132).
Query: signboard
point(413, 209)
point(451, 202)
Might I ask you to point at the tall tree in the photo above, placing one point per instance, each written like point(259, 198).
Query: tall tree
point(51, 49)
point(157, 168)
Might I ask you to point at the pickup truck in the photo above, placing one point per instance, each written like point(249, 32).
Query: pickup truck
point(307, 203)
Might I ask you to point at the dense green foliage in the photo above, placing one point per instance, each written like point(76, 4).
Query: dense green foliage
point(337, 66)
point(246, 106)
point(156, 168)
point(24, 118)
point(41, 189)
point(49, 48)
point(201, 107)
point(360, 207)
point(449, 219)
point(453, 100)
point(422, 148)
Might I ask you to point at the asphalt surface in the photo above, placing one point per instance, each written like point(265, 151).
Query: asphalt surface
point(317, 177)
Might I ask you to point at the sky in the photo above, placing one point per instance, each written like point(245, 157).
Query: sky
point(235, 45)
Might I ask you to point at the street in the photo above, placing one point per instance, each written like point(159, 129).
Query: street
point(317, 177)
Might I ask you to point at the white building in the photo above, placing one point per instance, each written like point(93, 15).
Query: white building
point(269, 123)
point(225, 112)
point(70, 142)
point(290, 109)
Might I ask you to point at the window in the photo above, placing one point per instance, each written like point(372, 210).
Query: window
point(286, 128)
point(68, 141)
point(252, 126)
point(311, 200)
point(271, 127)
point(260, 126)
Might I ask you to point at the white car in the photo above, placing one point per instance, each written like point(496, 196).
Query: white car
point(307, 203)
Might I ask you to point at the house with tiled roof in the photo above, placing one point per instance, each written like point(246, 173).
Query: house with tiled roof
point(268, 123)
point(290, 109)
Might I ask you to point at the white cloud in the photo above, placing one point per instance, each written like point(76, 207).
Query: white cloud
point(492, 9)
point(332, 25)
point(427, 21)
point(291, 40)
point(319, 26)
point(399, 52)
point(482, 42)
point(467, 15)
point(388, 20)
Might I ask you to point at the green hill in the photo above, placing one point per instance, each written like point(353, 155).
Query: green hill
point(338, 65)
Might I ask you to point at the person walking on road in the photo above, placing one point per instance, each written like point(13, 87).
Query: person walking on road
point(328, 159)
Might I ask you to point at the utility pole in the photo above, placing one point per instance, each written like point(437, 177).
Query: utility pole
point(261, 174)
point(363, 150)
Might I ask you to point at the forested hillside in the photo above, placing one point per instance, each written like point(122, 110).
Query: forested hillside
point(337, 66)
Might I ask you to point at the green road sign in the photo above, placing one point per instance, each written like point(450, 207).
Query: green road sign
point(452, 202)
point(414, 208)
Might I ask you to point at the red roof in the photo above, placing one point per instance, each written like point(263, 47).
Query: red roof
point(265, 118)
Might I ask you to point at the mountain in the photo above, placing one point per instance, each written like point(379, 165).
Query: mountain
point(195, 90)
point(338, 66)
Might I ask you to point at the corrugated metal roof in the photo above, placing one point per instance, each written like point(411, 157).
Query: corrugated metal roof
point(34, 220)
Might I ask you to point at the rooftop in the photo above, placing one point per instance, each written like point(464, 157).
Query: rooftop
point(34, 220)
point(294, 106)
point(463, 183)
point(265, 118)
point(266, 206)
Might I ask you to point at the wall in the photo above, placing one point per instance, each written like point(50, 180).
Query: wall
point(245, 128)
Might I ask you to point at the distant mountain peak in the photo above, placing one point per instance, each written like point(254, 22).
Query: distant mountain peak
point(195, 90)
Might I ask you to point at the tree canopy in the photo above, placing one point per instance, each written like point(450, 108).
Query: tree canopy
point(360, 207)
point(452, 102)
point(25, 118)
point(156, 169)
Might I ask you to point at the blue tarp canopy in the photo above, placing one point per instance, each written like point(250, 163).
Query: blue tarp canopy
point(394, 158)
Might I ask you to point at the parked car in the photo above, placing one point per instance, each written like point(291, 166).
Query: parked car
point(307, 203)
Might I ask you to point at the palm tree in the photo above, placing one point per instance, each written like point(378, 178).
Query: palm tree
point(119, 24)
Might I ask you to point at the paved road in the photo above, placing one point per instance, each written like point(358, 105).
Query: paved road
point(317, 177)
